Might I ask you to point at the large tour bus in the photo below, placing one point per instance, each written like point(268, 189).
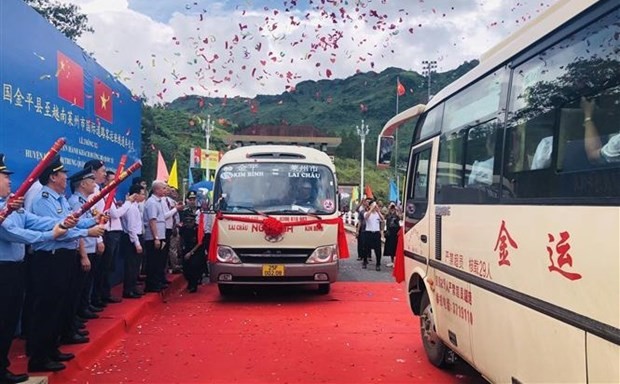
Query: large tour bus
point(512, 205)
point(277, 218)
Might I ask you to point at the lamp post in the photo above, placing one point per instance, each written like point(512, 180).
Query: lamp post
point(208, 128)
point(427, 69)
point(362, 131)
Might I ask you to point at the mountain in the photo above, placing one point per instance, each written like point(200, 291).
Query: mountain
point(335, 107)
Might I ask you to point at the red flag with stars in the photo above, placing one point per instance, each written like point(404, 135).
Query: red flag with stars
point(103, 101)
point(70, 80)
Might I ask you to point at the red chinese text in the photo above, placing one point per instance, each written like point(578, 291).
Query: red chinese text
point(503, 247)
point(563, 257)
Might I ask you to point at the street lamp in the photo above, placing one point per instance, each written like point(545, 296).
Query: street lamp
point(362, 131)
point(427, 69)
point(208, 128)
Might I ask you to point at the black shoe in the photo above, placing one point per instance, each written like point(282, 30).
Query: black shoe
point(99, 304)
point(79, 325)
point(59, 356)
point(94, 309)
point(153, 290)
point(131, 295)
point(359, 259)
point(364, 266)
point(82, 332)
point(45, 366)
point(138, 293)
point(192, 290)
point(112, 300)
point(378, 268)
point(75, 339)
point(9, 377)
point(86, 314)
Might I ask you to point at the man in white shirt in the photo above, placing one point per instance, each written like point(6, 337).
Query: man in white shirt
point(154, 237)
point(131, 243)
point(373, 219)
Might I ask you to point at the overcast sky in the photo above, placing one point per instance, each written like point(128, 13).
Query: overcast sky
point(169, 48)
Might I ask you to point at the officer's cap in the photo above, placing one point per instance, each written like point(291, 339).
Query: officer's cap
point(54, 167)
point(93, 164)
point(191, 195)
point(82, 175)
point(3, 168)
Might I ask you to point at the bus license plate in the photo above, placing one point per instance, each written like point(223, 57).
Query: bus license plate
point(273, 270)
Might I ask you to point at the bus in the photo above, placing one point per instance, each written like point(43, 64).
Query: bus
point(512, 205)
point(276, 218)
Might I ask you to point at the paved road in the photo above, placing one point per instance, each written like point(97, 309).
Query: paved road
point(351, 268)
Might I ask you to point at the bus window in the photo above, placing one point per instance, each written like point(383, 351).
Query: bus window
point(417, 195)
point(564, 112)
point(450, 167)
point(429, 124)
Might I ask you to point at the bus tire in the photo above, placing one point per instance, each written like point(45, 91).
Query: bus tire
point(225, 289)
point(324, 289)
point(436, 350)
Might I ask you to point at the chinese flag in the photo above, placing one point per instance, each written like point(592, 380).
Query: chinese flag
point(400, 89)
point(103, 101)
point(70, 80)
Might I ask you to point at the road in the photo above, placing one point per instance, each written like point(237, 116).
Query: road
point(361, 332)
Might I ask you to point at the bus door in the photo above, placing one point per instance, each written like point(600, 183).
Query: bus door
point(417, 217)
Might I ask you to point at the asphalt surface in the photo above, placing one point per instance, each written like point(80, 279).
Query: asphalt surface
point(351, 268)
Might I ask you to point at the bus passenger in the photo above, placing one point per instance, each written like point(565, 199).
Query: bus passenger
point(596, 151)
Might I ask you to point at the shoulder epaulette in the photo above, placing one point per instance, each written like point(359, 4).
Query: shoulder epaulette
point(45, 194)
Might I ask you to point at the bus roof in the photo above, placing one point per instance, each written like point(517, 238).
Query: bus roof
point(276, 153)
point(547, 22)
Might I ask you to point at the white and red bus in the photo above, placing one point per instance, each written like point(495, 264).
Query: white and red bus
point(512, 205)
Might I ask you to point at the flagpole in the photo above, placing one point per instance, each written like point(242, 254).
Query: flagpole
point(396, 137)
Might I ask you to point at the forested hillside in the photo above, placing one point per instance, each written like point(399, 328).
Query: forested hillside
point(333, 106)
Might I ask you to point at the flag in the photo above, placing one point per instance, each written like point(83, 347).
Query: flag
point(400, 89)
point(173, 179)
point(368, 192)
point(201, 227)
point(190, 177)
point(355, 196)
point(393, 191)
point(70, 80)
point(103, 101)
point(162, 171)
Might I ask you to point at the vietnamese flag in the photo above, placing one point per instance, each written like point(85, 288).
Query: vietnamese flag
point(103, 101)
point(70, 80)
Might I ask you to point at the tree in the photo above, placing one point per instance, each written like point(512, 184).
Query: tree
point(67, 18)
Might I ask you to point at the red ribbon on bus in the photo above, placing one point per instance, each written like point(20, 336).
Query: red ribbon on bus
point(343, 248)
point(399, 260)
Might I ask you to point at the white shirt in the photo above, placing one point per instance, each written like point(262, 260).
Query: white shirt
point(611, 151)
point(132, 223)
point(99, 206)
point(373, 222)
point(154, 210)
point(481, 172)
point(170, 214)
point(116, 213)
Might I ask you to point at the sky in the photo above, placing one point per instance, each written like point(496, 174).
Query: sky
point(165, 49)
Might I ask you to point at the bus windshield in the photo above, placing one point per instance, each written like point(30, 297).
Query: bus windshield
point(275, 188)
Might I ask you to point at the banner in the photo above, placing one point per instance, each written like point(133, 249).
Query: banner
point(51, 88)
point(198, 158)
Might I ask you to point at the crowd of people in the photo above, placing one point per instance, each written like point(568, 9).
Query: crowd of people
point(56, 270)
point(377, 231)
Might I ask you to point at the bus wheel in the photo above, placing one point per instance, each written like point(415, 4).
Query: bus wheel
point(435, 349)
point(324, 289)
point(225, 289)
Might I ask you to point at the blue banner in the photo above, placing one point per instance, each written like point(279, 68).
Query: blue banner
point(393, 191)
point(51, 88)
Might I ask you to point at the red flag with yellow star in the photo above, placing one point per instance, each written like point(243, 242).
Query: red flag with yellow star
point(103, 101)
point(70, 80)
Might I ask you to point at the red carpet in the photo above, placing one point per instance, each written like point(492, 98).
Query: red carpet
point(360, 333)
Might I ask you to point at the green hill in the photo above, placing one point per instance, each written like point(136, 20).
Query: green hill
point(333, 106)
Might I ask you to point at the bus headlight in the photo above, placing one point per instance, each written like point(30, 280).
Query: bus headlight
point(227, 255)
point(324, 254)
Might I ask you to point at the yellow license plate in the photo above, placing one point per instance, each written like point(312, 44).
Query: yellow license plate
point(273, 270)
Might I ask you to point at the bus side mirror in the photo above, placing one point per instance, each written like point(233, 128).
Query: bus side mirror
point(384, 155)
point(343, 202)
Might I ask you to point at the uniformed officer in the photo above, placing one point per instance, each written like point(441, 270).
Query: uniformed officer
point(52, 268)
point(19, 228)
point(82, 186)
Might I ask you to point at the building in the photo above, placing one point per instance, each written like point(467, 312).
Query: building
point(304, 135)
